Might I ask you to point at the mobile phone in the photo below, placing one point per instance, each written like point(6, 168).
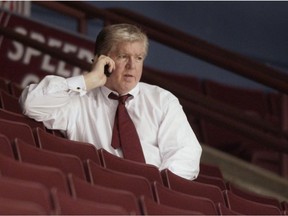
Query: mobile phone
point(106, 70)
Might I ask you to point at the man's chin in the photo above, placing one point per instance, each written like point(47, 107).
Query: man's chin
point(128, 87)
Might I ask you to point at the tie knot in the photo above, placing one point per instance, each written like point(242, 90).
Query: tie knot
point(121, 99)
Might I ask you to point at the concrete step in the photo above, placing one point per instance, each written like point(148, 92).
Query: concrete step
point(246, 175)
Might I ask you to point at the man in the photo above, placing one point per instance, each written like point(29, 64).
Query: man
point(82, 108)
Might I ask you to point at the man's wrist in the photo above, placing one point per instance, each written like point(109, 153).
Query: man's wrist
point(77, 84)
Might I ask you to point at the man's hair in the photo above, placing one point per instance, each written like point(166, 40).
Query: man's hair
point(111, 35)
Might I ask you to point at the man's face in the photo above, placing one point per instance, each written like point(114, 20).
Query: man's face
point(128, 58)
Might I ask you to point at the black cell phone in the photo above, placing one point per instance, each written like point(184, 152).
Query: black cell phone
point(106, 70)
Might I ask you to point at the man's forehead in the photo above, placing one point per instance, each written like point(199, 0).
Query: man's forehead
point(128, 47)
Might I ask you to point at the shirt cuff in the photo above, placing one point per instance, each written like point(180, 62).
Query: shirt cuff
point(77, 84)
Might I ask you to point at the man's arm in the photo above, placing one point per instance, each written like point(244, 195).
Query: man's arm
point(45, 101)
point(179, 147)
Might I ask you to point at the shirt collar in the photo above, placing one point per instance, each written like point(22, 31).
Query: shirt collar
point(106, 91)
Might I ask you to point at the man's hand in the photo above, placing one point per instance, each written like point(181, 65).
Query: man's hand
point(96, 77)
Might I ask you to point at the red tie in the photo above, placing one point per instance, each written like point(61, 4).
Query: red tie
point(124, 132)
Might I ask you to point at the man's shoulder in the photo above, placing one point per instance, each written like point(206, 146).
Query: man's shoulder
point(146, 88)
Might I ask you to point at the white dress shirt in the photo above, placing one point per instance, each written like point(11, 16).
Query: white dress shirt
point(166, 137)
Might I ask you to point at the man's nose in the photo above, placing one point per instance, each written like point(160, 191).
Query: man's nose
point(131, 63)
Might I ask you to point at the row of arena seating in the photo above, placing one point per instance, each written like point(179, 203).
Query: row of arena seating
point(255, 103)
point(42, 172)
point(75, 178)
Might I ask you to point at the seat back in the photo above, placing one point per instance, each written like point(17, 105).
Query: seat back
point(253, 196)
point(65, 162)
point(48, 176)
point(66, 205)
point(138, 185)
point(114, 162)
point(223, 210)
point(84, 190)
point(13, 129)
point(8, 115)
point(194, 188)
point(10, 102)
point(169, 197)
point(248, 207)
point(220, 137)
point(54, 143)
point(218, 182)
point(248, 100)
point(26, 191)
point(15, 89)
point(17, 207)
point(6, 146)
point(150, 207)
point(252, 102)
point(268, 159)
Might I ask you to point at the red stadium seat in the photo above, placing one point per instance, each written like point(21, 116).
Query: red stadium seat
point(219, 182)
point(14, 129)
point(113, 162)
point(253, 196)
point(66, 205)
point(11, 116)
point(17, 207)
point(48, 176)
point(65, 162)
point(138, 185)
point(26, 191)
point(172, 198)
point(84, 190)
point(150, 207)
point(50, 142)
point(9, 102)
point(6, 146)
point(194, 188)
point(248, 207)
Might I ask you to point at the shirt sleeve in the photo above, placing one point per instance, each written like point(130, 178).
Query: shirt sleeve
point(49, 100)
point(77, 84)
point(178, 144)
